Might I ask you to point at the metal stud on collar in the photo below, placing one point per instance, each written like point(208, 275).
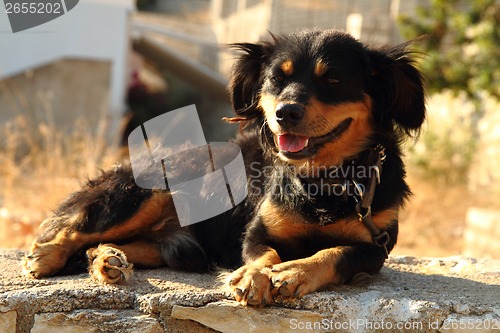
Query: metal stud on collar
point(359, 190)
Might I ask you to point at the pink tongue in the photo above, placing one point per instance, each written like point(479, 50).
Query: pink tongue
point(291, 143)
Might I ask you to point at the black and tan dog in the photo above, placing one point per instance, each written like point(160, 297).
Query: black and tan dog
point(322, 118)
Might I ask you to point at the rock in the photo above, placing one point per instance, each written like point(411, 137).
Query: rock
point(94, 321)
point(229, 316)
point(410, 294)
point(8, 321)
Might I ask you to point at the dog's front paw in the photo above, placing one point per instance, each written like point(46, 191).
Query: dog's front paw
point(108, 264)
point(297, 278)
point(44, 260)
point(251, 285)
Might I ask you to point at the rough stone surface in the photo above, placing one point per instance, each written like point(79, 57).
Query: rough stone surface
point(228, 316)
point(94, 321)
point(8, 322)
point(410, 294)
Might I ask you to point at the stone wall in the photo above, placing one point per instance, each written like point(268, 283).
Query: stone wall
point(482, 233)
point(59, 93)
point(484, 179)
point(460, 147)
point(409, 295)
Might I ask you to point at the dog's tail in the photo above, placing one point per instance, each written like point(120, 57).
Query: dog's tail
point(182, 251)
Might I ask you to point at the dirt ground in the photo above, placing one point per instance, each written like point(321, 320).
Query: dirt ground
point(432, 223)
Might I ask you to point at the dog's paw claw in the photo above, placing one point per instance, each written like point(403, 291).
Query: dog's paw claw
point(250, 285)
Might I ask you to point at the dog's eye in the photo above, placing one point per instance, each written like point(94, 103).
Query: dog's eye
point(278, 79)
point(331, 81)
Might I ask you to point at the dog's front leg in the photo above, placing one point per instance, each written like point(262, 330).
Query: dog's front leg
point(338, 265)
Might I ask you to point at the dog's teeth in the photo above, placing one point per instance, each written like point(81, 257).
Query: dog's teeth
point(306, 143)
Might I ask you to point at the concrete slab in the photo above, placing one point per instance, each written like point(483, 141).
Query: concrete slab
point(409, 295)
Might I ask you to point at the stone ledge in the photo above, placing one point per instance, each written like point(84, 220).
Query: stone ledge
point(427, 295)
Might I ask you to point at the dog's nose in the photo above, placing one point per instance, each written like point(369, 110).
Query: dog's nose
point(289, 114)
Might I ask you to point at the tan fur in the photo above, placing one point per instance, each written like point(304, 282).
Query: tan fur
point(287, 67)
point(351, 141)
point(48, 257)
point(306, 275)
point(108, 264)
point(321, 118)
point(284, 224)
point(143, 253)
point(320, 69)
point(251, 284)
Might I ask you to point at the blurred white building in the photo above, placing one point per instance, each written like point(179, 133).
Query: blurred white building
point(73, 66)
point(373, 22)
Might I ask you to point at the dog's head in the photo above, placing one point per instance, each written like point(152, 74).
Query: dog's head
point(322, 96)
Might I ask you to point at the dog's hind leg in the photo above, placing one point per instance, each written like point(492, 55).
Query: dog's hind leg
point(109, 209)
point(110, 263)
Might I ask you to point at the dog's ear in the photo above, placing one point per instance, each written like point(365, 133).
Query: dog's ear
point(245, 78)
point(397, 87)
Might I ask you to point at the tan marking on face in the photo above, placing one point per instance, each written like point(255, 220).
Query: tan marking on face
point(321, 118)
point(287, 67)
point(320, 69)
point(353, 140)
point(268, 103)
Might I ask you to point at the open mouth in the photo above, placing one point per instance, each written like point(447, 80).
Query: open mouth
point(297, 146)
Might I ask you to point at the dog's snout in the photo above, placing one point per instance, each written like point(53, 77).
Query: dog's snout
point(289, 114)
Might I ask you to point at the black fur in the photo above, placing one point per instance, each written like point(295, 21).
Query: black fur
point(395, 87)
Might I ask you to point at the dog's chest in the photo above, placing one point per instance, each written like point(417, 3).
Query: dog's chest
point(286, 224)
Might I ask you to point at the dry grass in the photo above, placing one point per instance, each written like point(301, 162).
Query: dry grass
point(41, 165)
point(432, 224)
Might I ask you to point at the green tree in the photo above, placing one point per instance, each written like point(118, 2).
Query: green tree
point(462, 45)
point(461, 53)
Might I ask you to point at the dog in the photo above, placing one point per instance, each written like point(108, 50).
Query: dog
point(322, 118)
